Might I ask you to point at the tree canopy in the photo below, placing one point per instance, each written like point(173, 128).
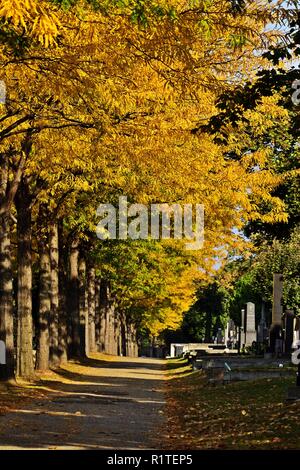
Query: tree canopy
point(106, 99)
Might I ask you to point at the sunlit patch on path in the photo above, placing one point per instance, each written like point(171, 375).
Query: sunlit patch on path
point(117, 403)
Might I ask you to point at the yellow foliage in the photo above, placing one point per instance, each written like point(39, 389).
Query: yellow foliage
point(34, 16)
point(110, 111)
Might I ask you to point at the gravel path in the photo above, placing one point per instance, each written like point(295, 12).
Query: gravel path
point(103, 405)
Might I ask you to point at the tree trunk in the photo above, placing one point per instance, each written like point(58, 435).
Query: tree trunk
point(83, 306)
point(44, 306)
point(91, 309)
point(103, 314)
point(117, 332)
point(24, 347)
point(131, 341)
point(7, 371)
point(135, 344)
point(73, 295)
point(54, 296)
point(6, 286)
point(97, 312)
point(8, 189)
point(127, 336)
point(123, 334)
point(62, 301)
point(109, 337)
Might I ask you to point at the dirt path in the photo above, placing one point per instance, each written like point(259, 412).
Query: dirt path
point(103, 405)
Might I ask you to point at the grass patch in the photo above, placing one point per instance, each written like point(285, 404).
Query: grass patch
point(178, 368)
point(240, 415)
point(173, 364)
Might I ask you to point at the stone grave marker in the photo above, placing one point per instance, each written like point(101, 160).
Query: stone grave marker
point(297, 329)
point(276, 340)
point(262, 330)
point(242, 339)
point(250, 333)
point(230, 337)
point(277, 298)
point(289, 327)
point(219, 336)
point(227, 335)
point(294, 392)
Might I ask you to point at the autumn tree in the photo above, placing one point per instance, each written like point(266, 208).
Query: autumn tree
point(84, 123)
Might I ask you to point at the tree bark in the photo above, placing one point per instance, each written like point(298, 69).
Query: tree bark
point(103, 314)
point(127, 336)
point(7, 371)
point(91, 309)
point(54, 296)
point(135, 345)
point(97, 312)
point(123, 334)
point(62, 301)
point(73, 296)
point(117, 330)
point(83, 306)
point(109, 337)
point(24, 347)
point(44, 306)
point(131, 349)
point(8, 190)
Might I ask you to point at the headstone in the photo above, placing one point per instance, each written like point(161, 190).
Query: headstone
point(219, 336)
point(230, 335)
point(294, 392)
point(2, 353)
point(227, 341)
point(262, 330)
point(233, 334)
point(243, 317)
point(278, 346)
point(277, 298)
point(178, 350)
point(289, 328)
point(276, 327)
point(295, 358)
point(242, 329)
point(250, 333)
point(297, 329)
